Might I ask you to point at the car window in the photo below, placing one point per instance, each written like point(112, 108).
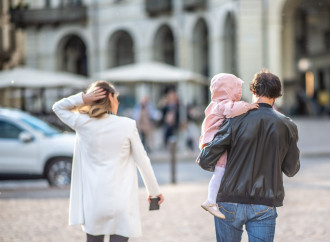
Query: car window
point(9, 130)
point(39, 125)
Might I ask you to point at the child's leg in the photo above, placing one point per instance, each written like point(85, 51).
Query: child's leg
point(214, 184)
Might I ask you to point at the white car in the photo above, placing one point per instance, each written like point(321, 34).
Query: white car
point(29, 146)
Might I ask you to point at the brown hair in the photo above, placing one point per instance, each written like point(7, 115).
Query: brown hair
point(266, 84)
point(102, 106)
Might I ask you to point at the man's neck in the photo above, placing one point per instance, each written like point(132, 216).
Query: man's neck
point(267, 100)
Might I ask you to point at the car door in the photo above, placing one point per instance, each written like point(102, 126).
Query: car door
point(16, 156)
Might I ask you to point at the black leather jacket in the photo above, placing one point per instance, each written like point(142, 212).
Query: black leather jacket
point(261, 144)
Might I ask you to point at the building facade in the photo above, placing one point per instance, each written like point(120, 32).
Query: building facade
point(288, 37)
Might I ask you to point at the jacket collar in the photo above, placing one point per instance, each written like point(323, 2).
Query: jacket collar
point(265, 105)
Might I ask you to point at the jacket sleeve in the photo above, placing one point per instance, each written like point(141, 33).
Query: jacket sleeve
point(210, 154)
point(291, 162)
point(233, 109)
point(143, 163)
point(62, 109)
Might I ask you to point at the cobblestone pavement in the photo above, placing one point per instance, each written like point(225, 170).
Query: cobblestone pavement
point(304, 216)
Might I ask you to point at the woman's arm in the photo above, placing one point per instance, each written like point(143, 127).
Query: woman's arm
point(143, 163)
point(63, 106)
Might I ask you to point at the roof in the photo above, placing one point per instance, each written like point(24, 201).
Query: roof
point(23, 77)
point(154, 72)
point(12, 112)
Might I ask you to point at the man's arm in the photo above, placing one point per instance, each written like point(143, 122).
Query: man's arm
point(291, 162)
point(210, 154)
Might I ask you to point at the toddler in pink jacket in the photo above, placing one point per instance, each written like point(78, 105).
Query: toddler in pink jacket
point(226, 92)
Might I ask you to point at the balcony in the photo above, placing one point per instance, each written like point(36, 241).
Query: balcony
point(157, 7)
point(190, 5)
point(48, 16)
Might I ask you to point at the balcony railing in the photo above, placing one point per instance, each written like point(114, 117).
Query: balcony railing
point(156, 7)
point(194, 4)
point(48, 16)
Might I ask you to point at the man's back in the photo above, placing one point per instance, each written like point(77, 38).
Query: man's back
point(261, 144)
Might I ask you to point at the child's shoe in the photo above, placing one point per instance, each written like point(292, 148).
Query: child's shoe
point(213, 209)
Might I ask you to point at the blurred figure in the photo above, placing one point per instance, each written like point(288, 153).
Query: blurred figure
point(301, 102)
point(192, 130)
point(108, 150)
point(170, 116)
point(323, 101)
point(145, 115)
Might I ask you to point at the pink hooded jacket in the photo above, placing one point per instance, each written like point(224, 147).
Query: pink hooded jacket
point(226, 91)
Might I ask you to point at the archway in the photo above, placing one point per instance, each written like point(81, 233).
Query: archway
point(73, 55)
point(121, 49)
point(164, 48)
point(201, 48)
point(306, 55)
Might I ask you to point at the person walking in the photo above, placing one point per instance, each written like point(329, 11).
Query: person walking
point(226, 92)
point(145, 115)
point(170, 120)
point(261, 145)
point(104, 184)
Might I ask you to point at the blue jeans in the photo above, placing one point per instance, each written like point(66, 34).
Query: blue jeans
point(259, 220)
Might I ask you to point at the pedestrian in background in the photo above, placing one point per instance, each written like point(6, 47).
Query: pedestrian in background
point(261, 145)
point(170, 120)
point(104, 186)
point(145, 115)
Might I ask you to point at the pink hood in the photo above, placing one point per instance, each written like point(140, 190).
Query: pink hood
point(226, 90)
point(226, 86)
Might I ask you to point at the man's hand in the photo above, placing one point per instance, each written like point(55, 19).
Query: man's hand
point(97, 94)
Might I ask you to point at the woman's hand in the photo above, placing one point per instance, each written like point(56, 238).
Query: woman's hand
point(97, 94)
point(160, 201)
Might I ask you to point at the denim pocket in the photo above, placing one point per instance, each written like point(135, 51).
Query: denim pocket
point(229, 210)
point(262, 212)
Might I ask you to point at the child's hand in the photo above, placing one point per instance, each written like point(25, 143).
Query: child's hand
point(253, 106)
point(204, 145)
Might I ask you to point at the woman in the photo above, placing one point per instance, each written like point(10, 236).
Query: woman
point(104, 184)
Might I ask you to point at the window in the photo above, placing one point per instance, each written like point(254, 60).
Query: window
point(39, 125)
point(8, 130)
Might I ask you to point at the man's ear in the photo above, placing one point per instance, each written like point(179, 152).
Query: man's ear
point(274, 99)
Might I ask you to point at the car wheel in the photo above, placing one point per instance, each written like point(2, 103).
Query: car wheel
point(59, 172)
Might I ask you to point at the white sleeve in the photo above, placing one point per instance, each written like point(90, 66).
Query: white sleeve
point(62, 109)
point(143, 163)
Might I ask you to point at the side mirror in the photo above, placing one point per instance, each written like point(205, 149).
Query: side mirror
point(25, 137)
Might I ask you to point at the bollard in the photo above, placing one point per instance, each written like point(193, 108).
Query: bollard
point(172, 143)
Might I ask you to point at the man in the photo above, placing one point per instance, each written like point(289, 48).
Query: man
point(261, 144)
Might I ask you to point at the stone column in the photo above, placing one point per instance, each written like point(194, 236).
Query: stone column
point(250, 50)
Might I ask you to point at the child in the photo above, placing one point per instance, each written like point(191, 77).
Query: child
point(226, 92)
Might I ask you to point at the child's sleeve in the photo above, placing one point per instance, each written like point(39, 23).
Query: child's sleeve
point(233, 109)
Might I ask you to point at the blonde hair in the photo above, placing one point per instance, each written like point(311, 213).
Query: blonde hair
point(102, 106)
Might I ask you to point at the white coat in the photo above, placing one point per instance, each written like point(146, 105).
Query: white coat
point(104, 183)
